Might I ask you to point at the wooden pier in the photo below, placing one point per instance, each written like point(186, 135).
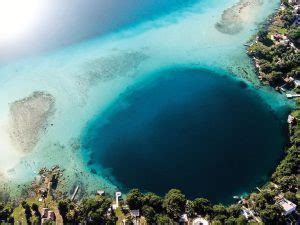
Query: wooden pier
point(75, 193)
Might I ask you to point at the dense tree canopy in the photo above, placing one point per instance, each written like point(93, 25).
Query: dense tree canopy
point(202, 206)
point(174, 203)
point(134, 199)
point(95, 210)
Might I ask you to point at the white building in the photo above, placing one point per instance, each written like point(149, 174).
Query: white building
point(297, 83)
point(294, 2)
point(247, 213)
point(135, 213)
point(116, 205)
point(200, 221)
point(287, 206)
point(183, 219)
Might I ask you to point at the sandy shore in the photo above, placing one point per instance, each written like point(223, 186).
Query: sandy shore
point(234, 18)
point(29, 118)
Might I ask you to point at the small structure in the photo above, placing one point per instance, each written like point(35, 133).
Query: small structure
point(297, 9)
point(118, 195)
point(75, 193)
point(100, 192)
point(47, 215)
point(288, 79)
point(297, 83)
point(44, 213)
point(294, 2)
point(292, 95)
point(287, 206)
point(247, 213)
point(291, 119)
point(200, 221)
point(43, 192)
point(126, 222)
point(183, 219)
point(135, 213)
point(51, 215)
point(280, 38)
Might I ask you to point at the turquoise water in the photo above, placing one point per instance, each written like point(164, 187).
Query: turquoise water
point(206, 134)
point(90, 80)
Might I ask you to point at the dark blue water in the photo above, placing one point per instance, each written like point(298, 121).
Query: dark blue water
point(62, 23)
point(205, 134)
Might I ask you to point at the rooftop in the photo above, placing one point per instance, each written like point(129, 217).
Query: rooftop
point(287, 206)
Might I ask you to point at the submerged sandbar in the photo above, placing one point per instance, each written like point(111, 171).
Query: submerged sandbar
point(29, 118)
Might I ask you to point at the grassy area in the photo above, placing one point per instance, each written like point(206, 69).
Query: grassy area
point(19, 212)
point(19, 215)
point(120, 215)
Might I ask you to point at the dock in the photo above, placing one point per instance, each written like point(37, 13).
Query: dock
point(75, 193)
point(293, 95)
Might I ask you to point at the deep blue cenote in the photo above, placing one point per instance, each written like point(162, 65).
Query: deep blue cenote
point(206, 134)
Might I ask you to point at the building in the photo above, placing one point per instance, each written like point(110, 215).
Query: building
point(44, 213)
point(135, 213)
point(292, 120)
point(118, 196)
point(294, 2)
point(183, 219)
point(47, 215)
point(100, 192)
point(287, 206)
point(247, 213)
point(297, 83)
point(200, 221)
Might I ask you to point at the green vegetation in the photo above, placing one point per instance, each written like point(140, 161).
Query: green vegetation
point(92, 210)
point(6, 210)
point(169, 209)
point(276, 50)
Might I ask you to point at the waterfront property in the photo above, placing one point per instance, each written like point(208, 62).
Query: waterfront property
point(200, 221)
point(287, 206)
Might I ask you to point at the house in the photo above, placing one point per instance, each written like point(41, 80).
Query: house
point(281, 38)
point(297, 9)
point(51, 215)
point(297, 22)
point(126, 222)
point(291, 119)
point(183, 219)
point(247, 213)
point(297, 83)
point(294, 2)
point(47, 215)
point(44, 213)
point(135, 213)
point(288, 79)
point(277, 37)
point(287, 206)
point(200, 221)
point(100, 192)
point(43, 192)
